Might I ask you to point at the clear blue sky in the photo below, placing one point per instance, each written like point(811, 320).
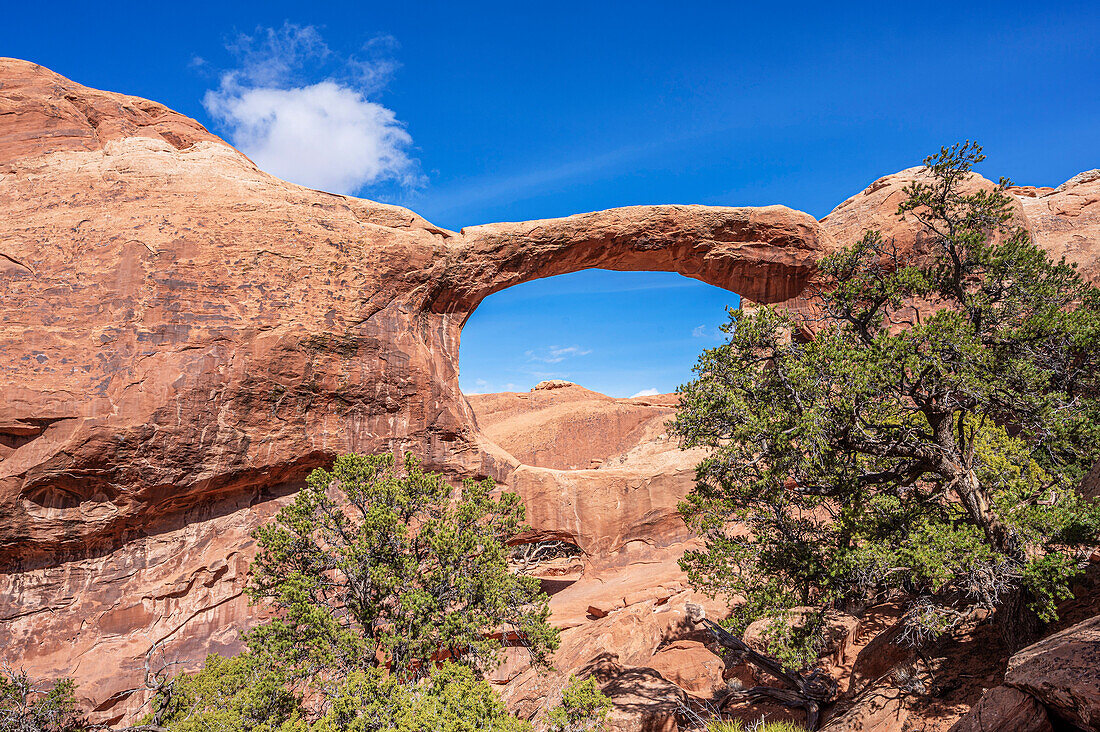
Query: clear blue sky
point(476, 112)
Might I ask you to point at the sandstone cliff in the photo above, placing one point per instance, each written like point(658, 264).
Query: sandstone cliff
point(186, 337)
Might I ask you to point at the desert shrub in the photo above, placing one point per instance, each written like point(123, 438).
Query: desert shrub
point(27, 705)
point(392, 595)
point(583, 708)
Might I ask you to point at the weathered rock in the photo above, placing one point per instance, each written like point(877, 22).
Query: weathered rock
point(1063, 673)
point(692, 666)
point(1065, 221)
point(643, 700)
point(876, 208)
point(568, 427)
point(180, 590)
point(1004, 708)
point(182, 328)
point(894, 687)
point(183, 323)
point(187, 336)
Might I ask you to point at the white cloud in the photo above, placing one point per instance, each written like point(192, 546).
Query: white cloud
point(645, 392)
point(326, 134)
point(699, 331)
point(556, 354)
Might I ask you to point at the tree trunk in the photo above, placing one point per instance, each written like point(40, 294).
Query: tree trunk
point(980, 509)
point(809, 692)
point(1019, 625)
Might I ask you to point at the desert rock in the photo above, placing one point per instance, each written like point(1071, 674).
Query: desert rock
point(187, 337)
point(1061, 672)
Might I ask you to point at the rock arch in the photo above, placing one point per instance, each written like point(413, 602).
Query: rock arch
point(765, 254)
point(185, 337)
point(185, 326)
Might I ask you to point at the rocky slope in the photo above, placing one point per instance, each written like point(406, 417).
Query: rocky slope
point(187, 336)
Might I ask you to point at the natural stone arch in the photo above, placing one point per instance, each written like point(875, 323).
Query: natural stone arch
point(764, 254)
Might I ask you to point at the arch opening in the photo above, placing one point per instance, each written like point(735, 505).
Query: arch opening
point(621, 334)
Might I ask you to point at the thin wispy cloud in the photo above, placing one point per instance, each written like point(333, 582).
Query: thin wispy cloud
point(645, 393)
point(556, 354)
point(481, 386)
point(302, 111)
point(705, 331)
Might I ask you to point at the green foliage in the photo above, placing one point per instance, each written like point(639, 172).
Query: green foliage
point(935, 454)
point(368, 566)
point(794, 639)
point(449, 699)
point(26, 706)
point(243, 694)
point(583, 708)
point(375, 576)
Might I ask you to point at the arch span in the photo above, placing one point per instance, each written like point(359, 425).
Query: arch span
point(765, 254)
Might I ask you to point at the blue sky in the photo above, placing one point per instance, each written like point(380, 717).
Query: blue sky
point(477, 112)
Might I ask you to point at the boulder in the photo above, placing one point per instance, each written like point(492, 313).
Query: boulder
point(1062, 671)
point(692, 666)
point(643, 700)
point(1005, 708)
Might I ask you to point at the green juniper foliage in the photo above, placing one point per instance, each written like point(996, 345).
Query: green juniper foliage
point(244, 694)
point(239, 694)
point(583, 708)
point(391, 594)
point(933, 455)
point(370, 567)
point(29, 706)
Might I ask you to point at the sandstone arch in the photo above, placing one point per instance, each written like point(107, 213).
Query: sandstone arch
point(185, 327)
point(766, 254)
point(184, 337)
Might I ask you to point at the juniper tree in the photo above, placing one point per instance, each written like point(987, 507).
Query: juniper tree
point(391, 595)
point(370, 567)
point(27, 705)
point(930, 453)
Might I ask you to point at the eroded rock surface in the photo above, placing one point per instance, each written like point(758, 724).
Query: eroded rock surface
point(1062, 673)
point(1005, 708)
point(182, 328)
point(187, 336)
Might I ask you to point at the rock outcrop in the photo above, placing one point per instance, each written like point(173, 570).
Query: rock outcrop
point(1061, 672)
point(1005, 708)
point(564, 426)
point(186, 336)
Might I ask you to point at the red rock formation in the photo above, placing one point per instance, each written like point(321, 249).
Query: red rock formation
point(188, 336)
point(566, 427)
point(186, 330)
point(1062, 673)
point(1066, 220)
point(1005, 708)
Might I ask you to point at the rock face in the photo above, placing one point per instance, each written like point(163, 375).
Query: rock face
point(186, 336)
point(1061, 672)
point(1005, 708)
point(567, 427)
point(1066, 220)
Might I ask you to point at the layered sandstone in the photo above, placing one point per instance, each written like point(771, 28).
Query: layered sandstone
point(187, 336)
point(185, 331)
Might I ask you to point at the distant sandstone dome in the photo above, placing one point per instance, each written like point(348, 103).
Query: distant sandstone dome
point(552, 384)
